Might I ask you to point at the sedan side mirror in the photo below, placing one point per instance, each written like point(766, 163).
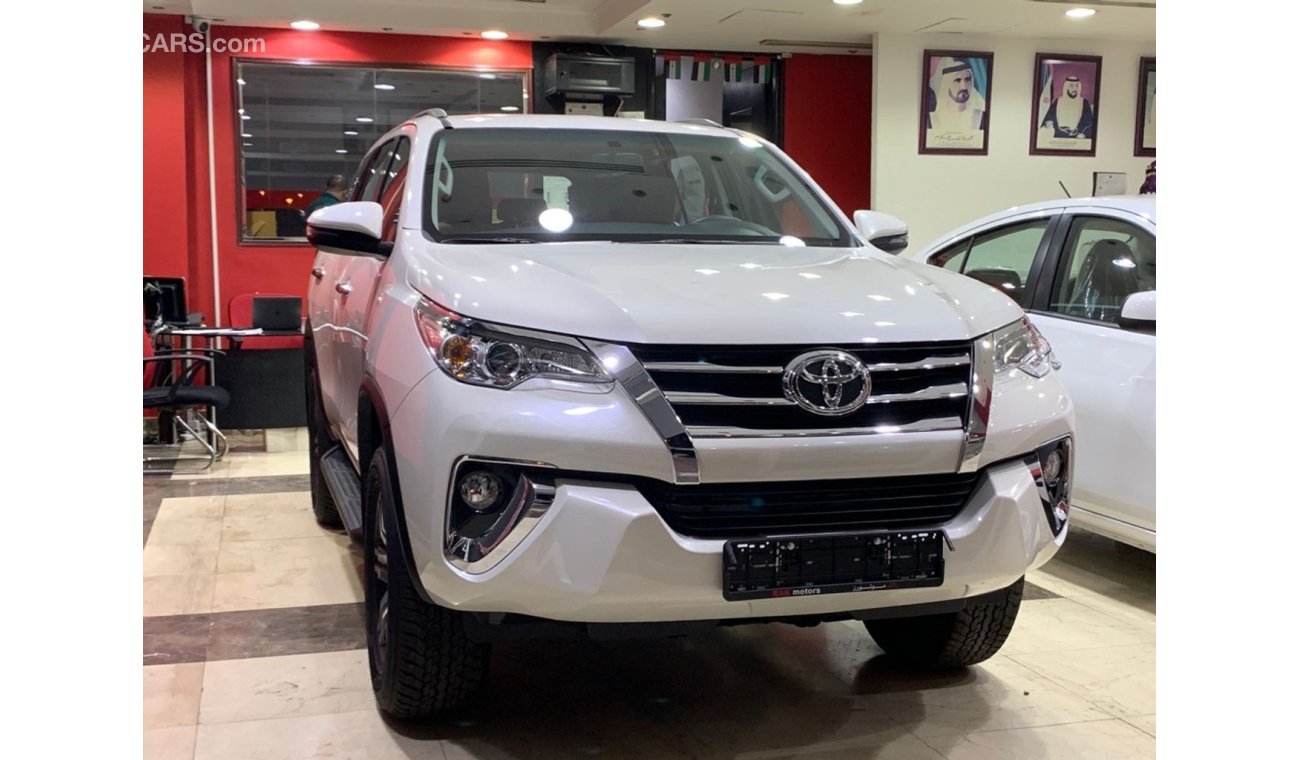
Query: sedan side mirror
point(1139, 312)
point(352, 228)
point(888, 233)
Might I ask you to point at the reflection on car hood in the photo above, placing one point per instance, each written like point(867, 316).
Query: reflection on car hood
point(759, 294)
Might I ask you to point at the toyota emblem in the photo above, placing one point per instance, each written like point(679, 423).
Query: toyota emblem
point(829, 383)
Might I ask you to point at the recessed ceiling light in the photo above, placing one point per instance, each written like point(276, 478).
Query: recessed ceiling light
point(510, 108)
point(494, 34)
point(245, 135)
point(364, 119)
point(848, 2)
point(351, 132)
point(245, 116)
point(1080, 12)
point(305, 25)
point(487, 76)
point(248, 145)
point(341, 150)
point(382, 86)
point(651, 22)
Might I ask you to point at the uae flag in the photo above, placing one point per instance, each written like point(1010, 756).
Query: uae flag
point(694, 67)
point(751, 70)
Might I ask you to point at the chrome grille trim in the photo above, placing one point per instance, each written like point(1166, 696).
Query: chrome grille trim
point(707, 367)
point(952, 390)
point(924, 426)
point(981, 401)
point(636, 382)
point(934, 362)
point(712, 399)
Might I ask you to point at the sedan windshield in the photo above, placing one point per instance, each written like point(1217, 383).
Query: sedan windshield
point(512, 185)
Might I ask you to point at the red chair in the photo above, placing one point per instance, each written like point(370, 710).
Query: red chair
point(241, 315)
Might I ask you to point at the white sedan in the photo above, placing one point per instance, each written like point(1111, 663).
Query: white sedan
point(1085, 271)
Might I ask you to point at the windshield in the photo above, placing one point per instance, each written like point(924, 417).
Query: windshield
point(534, 185)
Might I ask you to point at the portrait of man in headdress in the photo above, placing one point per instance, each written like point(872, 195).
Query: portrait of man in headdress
point(1065, 111)
point(955, 102)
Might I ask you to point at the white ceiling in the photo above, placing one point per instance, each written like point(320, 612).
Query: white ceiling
point(707, 24)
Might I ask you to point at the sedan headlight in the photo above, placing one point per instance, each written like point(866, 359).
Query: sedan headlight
point(480, 355)
point(1021, 346)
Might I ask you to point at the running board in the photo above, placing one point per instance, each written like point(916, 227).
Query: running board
point(345, 487)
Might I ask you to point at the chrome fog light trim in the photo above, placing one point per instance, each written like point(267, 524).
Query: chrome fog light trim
point(478, 539)
point(1052, 467)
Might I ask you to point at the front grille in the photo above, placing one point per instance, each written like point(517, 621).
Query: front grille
point(751, 510)
point(726, 391)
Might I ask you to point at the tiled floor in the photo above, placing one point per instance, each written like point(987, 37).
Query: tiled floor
point(254, 648)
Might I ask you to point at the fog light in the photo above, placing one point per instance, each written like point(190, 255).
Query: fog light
point(481, 490)
point(1052, 467)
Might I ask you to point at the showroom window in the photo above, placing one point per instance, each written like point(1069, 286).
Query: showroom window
point(299, 124)
point(1104, 262)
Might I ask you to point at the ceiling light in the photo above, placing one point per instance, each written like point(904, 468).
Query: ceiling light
point(240, 82)
point(510, 108)
point(364, 119)
point(245, 135)
point(245, 116)
point(487, 76)
point(248, 145)
point(341, 150)
point(651, 22)
point(1080, 12)
point(385, 87)
point(305, 26)
point(494, 34)
point(350, 132)
point(848, 2)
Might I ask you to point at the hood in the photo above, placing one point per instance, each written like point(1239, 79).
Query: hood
point(708, 294)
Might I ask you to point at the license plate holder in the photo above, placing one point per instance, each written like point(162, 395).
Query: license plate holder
point(767, 568)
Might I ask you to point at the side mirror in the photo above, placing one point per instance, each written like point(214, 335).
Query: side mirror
point(350, 228)
point(1139, 312)
point(888, 233)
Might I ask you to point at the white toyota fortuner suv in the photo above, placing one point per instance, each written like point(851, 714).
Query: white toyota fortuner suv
point(615, 377)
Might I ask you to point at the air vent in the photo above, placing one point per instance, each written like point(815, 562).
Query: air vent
point(861, 47)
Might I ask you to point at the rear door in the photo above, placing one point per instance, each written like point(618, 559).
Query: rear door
point(357, 283)
point(1099, 259)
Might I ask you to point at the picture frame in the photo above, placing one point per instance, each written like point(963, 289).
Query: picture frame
point(1144, 131)
point(1066, 103)
point(955, 101)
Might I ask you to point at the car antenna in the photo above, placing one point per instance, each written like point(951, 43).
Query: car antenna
point(441, 116)
point(1067, 192)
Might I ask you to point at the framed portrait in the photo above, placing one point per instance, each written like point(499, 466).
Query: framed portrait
point(1067, 92)
point(956, 89)
point(1144, 134)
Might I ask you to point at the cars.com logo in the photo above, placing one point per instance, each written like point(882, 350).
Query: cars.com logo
point(198, 42)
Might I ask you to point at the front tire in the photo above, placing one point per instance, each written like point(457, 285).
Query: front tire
point(421, 661)
point(954, 639)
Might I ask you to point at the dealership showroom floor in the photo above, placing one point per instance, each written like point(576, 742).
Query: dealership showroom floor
point(254, 647)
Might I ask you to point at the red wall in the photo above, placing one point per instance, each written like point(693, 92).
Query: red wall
point(176, 149)
point(828, 124)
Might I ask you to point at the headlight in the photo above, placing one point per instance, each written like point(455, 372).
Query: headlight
point(1021, 346)
point(476, 354)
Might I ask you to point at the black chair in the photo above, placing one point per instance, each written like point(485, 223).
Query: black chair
point(170, 389)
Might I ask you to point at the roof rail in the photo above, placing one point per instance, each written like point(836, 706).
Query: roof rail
point(437, 113)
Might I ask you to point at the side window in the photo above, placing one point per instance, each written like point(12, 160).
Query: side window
point(1104, 262)
point(1002, 258)
point(373, 173)
point(390, 196)
point(952, 257)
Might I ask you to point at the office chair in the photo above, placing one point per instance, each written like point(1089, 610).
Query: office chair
point(170, 390)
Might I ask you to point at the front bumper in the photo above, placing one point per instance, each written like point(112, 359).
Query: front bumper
point(602, 554)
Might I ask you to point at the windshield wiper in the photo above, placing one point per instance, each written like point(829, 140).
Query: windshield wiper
point(499, 240)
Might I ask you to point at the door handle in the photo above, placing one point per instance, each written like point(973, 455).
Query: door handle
point(318, 272)
point(343, 287)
